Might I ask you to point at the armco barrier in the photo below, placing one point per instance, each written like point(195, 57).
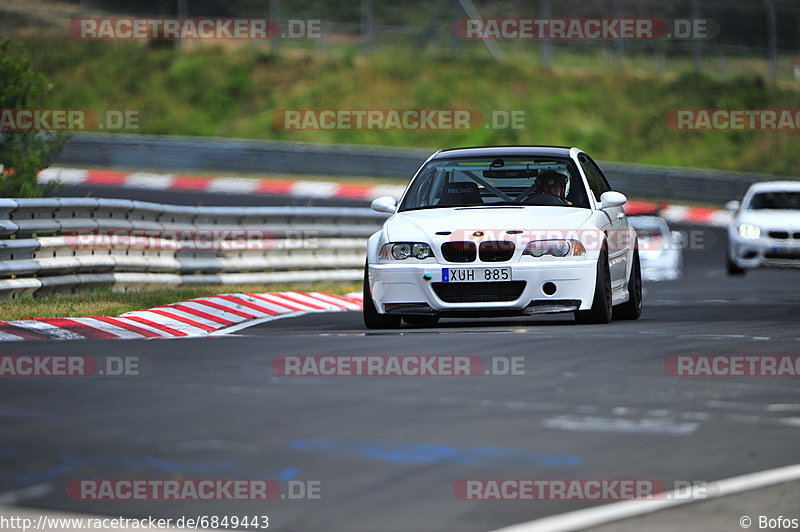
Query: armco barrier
point(193, 154)
point(69, 244)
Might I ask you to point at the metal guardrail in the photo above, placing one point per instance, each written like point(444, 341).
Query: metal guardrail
point(182, 154)
point(68, 244)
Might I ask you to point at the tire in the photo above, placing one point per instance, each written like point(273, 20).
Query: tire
point(731, 267)
point(372, 319)
point(421, 321)
point(632, 309)
point(601, 304)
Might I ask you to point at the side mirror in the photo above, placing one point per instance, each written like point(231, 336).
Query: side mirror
point(612, 199)
point(384, 204)
point(732, 206)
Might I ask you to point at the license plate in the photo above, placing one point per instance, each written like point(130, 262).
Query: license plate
point(475, 275)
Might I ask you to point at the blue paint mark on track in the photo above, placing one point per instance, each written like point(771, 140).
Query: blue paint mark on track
point(70, 465)
point(432, 454)
point(8, 412)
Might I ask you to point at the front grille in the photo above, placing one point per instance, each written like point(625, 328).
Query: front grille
point(479, 292)
point(496, 251)
point(784, 235)
point(791, 254)
point(459, 251)
point(780, 235)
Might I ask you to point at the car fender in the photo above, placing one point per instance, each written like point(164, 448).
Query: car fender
point(373, 245)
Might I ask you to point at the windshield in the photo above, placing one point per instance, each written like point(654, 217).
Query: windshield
point(471, 182)
point(783, 200)
point(649, 232)
point(646, 229)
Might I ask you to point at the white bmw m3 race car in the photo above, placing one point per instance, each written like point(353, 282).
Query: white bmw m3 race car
point(659, 248)
point(765, 229)
point(503, 231)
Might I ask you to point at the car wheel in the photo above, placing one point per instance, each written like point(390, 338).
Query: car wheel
point(372, 319)
point(421, 321)
point(731, 267)
point(601, 305)
point(632, 309)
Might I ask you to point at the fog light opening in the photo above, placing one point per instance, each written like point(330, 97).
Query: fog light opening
point(549, 288)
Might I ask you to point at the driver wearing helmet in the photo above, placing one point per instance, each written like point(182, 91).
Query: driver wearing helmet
point(552, 183)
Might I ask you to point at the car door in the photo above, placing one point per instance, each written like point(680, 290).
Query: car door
point(615, 224)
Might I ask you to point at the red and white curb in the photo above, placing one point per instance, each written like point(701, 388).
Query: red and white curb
point(204, 316)
point(317, 189)
point(220, 185)
point(680, 213)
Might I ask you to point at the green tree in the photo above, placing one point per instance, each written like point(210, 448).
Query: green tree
point(23, 153)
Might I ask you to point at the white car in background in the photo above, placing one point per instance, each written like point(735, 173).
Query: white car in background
point(502, 231)
point(660, 249)
point(765, 230)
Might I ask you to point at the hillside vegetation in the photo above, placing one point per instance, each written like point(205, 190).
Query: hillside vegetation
point(616, 115)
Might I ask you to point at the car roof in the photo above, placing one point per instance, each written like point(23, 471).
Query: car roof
point(508, 151)
point(773, 186)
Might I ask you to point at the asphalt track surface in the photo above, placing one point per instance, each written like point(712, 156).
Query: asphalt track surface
point(594, 402)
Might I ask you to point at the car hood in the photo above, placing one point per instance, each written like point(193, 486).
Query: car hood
point(771, 219)
point(422, 225)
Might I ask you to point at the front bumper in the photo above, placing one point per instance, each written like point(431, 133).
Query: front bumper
point(664, 267)
point(401, 289)
point(660, 274)
point(764, 253)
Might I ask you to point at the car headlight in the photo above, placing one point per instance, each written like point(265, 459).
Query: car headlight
point(405, 250)
point(749, 231)
point(650, 254)
point(556, 248)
